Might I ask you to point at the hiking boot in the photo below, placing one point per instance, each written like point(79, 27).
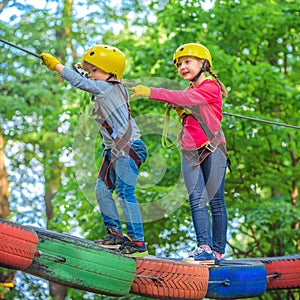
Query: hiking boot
point(134, 249)
point(113, 240)
point(202, 255)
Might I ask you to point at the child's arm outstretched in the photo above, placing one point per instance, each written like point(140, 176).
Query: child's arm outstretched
point(185, 98)
point(73, 77)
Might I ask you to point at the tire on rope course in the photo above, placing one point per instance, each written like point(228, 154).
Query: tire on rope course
point(17, 245)
point(169, 279)
point(283, 272)
point(237, 279)
point(81, 264)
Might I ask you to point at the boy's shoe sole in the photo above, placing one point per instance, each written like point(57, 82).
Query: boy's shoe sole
point(112, 241)
point(198, 262)
point(111, 247)
point(138, 254)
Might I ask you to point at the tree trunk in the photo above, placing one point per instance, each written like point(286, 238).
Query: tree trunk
point(6, 275)
point(295, 193)
point(4, 186)
point(59, 292)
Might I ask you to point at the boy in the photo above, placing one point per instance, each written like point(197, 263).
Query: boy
point(124, 150)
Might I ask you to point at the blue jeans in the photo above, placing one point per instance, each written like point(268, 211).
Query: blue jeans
point(206, 182)
point(123, 174)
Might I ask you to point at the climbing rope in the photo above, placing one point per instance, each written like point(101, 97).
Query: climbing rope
point(164, 138)
point(180, 110)
point(262, 120)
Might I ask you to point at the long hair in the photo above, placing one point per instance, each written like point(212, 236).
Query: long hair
point(215, 76)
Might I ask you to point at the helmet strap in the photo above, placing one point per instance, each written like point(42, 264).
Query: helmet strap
point(111, 75)
point(202, 70)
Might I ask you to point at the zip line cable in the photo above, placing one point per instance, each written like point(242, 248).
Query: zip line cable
point(130, 83)
point(262, 121)
point(167, 145)
point(20, 48)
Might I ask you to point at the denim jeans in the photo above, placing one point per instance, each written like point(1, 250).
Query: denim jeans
point(206, 182)
point(124, 174)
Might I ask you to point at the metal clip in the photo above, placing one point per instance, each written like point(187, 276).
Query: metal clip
point(79, 69)
point(210, 147)
point(55, 257)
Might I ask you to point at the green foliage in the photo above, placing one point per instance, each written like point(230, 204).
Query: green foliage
point(272, 234)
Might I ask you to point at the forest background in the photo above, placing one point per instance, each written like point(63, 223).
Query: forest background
point(50, 151)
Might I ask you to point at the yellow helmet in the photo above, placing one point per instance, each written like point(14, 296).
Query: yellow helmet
point(192, 49)
point(107, 58)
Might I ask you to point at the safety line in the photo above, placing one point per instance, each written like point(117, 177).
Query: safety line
point(20, 48)
point(261, 120)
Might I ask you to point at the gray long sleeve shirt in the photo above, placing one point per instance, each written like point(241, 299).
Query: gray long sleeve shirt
point(109, 104)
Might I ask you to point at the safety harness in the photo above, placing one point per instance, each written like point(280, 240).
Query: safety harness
point(214, 139)
point(164, 138)
point(122, 144)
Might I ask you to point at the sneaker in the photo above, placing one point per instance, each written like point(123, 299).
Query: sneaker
point(113, 240)
point(218, 258)
point(217, 262)
point(132, 249)
point(201, 255)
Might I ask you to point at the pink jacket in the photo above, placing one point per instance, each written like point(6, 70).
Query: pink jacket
point(208, 97)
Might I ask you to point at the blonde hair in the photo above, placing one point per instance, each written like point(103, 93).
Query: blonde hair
point(207, 68)
point(85, 65)
point(215, 76)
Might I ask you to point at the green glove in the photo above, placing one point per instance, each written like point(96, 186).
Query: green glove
point(140, 91)
point(49, 61)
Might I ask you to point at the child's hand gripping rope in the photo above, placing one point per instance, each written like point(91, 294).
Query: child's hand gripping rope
point(49, 61)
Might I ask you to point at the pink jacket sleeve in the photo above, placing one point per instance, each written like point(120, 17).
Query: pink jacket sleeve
point(207, 92)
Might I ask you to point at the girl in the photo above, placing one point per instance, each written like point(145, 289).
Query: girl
point(204, 157)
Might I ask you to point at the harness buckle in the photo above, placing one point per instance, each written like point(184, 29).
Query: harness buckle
point(210, 147)
point(115, 152)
